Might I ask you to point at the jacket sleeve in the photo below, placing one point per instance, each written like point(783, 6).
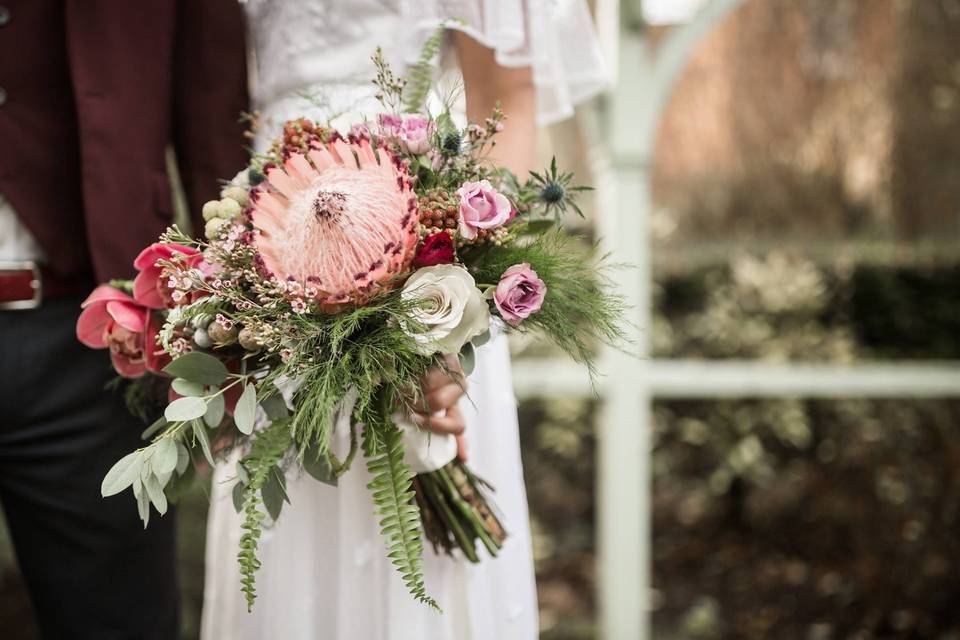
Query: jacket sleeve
point(209, 95)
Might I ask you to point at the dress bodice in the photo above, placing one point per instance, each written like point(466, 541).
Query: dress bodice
point(313, 57)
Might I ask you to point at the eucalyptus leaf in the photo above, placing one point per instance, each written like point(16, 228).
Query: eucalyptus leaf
point(163, 460)
point(164, 478)
point(246, 412)
point(238, 497)
point(468, 359)
point(273, 493)
point(143, 505)
point(275, 407)
point(183, 458)
point(183, 409)
point(122, 474)
point(155, 491)
point(319, 468)
point(198, 367)
point(200, 431)
point(242, 473)
point(159, 424)
point(216, 406)
point(481, 339)
point(186, 388)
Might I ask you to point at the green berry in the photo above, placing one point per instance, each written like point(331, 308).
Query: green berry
point(212, 228)
point(236, 193)
point(211, 210)
point(229, 208)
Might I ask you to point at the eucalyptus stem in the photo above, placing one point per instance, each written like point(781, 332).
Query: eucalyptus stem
point(435, 491)
point(468, 511)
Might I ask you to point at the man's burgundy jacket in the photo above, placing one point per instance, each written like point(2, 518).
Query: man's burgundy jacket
point(92, 94)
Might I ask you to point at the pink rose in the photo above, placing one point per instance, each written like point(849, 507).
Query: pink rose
point(519, 293)
point(482, 207)
point(390, 124)
point(150, 287)
point(113, 320)
point(415, 134)
point(412, 133)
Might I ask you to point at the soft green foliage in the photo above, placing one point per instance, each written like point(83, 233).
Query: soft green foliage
point(198, 367)
point(266, 450)
point(393, 494)
point(420, 75)
point(579, 306)
point(245, 413)
point(361, 348)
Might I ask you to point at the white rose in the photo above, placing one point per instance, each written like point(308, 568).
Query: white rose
point(452, 309)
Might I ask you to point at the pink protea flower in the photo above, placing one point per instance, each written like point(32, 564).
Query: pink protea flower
point(336, 220)
point(113, 320)
point(150, 288)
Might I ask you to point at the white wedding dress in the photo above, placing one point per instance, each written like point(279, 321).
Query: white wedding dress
point(325, 574)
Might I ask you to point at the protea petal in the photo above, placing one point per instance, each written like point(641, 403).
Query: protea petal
point(280, 181)
point(343, 226)
point(300, 170)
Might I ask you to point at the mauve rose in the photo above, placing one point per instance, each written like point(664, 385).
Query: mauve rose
point(482, 207)
point(415, 134)
point(150, 286)
point(436, 249)
point(113, 320)
point(519, 294)
point(389, 124)
point(412, 133)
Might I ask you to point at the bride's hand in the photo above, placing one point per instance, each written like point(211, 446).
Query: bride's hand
point(442, 388)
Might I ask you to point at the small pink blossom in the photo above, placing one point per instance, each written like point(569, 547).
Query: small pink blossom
point(519, 294)
point(482, 207)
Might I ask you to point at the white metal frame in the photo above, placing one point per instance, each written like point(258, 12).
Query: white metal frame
point(645, 79)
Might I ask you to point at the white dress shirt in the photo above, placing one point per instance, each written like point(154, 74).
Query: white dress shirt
point(16, 241)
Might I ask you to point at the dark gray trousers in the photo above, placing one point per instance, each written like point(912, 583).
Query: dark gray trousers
point(91, 569)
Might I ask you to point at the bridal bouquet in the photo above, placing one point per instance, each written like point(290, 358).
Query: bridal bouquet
point(337, 269)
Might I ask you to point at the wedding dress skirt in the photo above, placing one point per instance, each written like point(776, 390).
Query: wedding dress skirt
point(325, 574)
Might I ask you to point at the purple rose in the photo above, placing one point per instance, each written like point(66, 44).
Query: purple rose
point(412, 133)
point(482, 207)
point(519, 293)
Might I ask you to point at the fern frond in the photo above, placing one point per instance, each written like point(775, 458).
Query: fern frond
point(392, 490)
point(266, 451)
point(420, 75)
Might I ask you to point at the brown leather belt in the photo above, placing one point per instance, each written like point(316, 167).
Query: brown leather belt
point(26, 284)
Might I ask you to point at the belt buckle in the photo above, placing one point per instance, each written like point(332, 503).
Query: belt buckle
point(37, 284)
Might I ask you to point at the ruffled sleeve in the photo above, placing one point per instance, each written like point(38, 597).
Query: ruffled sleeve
point(555, 38)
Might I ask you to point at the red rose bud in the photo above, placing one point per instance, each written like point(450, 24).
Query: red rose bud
point(436, 249)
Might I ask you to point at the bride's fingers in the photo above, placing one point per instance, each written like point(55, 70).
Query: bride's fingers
point(462, 448)
point(449, 424)
point(444, 397)
point(438, 376)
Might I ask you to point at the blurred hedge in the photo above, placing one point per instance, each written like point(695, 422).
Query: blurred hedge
point(778, 518)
